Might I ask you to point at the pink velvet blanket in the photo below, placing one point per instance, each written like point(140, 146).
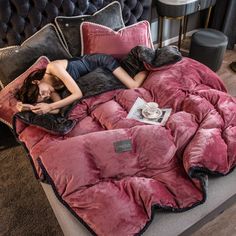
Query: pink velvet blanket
point(116, 193)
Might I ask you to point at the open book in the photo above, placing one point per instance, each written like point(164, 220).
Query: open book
point(136, 113)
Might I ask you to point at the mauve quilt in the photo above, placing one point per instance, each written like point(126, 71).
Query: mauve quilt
point(116, 192)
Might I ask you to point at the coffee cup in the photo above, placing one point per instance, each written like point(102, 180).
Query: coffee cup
point(151, 110)
point(151, 107)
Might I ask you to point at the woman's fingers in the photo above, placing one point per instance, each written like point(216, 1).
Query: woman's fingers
point(35, 108)
point(41, 108)
point(27, 107)
point(36, 111)
point(19, 106)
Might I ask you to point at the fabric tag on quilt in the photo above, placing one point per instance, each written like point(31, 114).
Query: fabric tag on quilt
point(123, 146)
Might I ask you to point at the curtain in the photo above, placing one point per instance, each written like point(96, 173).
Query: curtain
point(224, 19)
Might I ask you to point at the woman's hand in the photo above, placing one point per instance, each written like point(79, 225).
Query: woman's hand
point(24, 107)
point(41, 108)
point(140, 77)
point(19, 106)
point(128, 81)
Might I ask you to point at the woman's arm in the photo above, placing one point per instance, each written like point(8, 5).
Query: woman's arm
point(44, 106)
point(55, 98)
point(110, 63)
point(29, 107)
point(56, 68)
point(128, 81)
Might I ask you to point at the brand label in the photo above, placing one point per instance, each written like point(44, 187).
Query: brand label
point(123, 146)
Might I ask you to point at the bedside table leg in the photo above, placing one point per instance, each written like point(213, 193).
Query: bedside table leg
point(208, 17)
point(180, 31)
point(160, 30)
point(185, 26)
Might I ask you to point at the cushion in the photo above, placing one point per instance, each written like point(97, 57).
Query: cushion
point(96, 38)
point(15, 60)
point(7, 94)
point(69, 27)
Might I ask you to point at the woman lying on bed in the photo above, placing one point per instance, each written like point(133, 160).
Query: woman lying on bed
point(41, 86)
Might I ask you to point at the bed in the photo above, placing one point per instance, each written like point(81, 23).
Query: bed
point(112, 173)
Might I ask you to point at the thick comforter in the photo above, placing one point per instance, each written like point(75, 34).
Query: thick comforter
point(115, 193)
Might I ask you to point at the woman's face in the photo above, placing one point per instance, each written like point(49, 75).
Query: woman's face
point(45, 91)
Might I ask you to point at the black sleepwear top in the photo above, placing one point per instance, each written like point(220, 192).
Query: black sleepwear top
point(79, 66)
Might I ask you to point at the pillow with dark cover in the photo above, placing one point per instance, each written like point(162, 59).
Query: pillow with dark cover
point(7, 94)
point(69, 27)
point(91, 84)
point(16, 59)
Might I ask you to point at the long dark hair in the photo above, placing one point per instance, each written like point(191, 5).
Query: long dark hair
point(29, 91)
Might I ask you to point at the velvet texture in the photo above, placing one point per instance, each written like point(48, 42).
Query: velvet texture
point(116, 193)
point(96, 38)
point(15, 60)
point(7, 94)
point(140, 57)
point(99, 81)
point(95, 82)
point(69, 27)
point(51, 123)
point(91, 84)
point(21, 19)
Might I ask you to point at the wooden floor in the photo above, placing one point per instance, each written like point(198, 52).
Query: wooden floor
point(226, 74)
point(225, 223)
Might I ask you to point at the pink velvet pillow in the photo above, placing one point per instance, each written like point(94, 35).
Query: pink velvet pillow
point(97, 38)
point(7, 94)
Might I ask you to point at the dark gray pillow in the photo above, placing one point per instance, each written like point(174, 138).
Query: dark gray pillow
point(69, 27)
point(16, 59)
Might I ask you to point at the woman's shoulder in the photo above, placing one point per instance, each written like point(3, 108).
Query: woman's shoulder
point(57, 63)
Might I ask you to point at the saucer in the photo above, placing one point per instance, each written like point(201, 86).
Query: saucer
point(155, 115)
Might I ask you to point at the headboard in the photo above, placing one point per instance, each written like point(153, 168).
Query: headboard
point(19, 19)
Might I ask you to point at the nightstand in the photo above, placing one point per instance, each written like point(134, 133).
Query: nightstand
point(180, 9)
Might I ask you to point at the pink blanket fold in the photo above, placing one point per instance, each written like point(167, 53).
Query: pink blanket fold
point(113, 172)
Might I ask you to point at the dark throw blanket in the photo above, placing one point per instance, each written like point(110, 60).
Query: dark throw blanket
point(140, 56)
